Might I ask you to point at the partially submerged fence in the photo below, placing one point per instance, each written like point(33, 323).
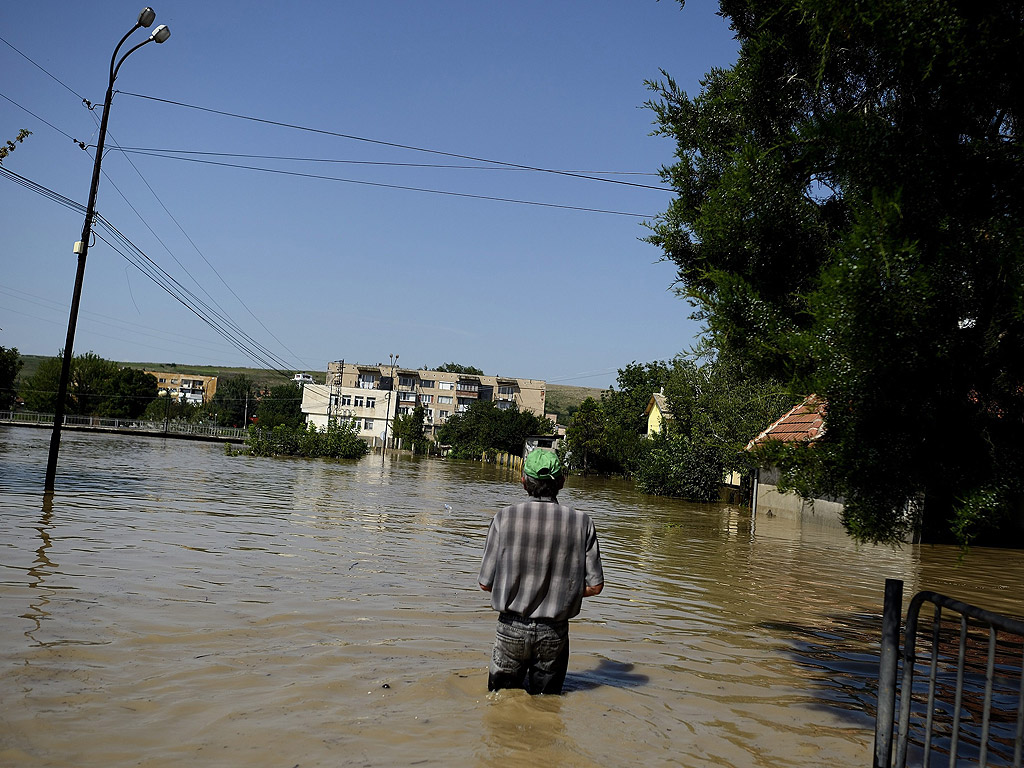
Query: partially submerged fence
point(961, 699)
point(169, 428)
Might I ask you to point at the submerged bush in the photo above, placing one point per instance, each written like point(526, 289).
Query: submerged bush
point(338, 440)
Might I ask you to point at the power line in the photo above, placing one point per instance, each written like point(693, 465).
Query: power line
point(395, 144)
point(45, 72)
point(196, 247)
point(397, 186)
point(365, 162)
point(224, 326)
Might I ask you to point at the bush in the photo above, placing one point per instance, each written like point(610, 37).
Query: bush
point(336, 441)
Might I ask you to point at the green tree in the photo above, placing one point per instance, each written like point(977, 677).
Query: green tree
point(281, 405)
point(717, 406)
point(127, 394)
point(89, 383)
point(39, 391)
point(408, 427)
point(485, 427)
point(457, 368)
point(586, 449)
point(173, 409)
point(848, 221)
point(234, 400)
point(10, 367)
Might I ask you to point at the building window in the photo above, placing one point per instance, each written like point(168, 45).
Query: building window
point(503, 405)
point(371, 402)
point(445, 385)
point(408, 397)
point(444, 399)
point(506, 390)
point(466, 401)
point(406, 381)
point(358, 402)
point(442, 415)
point(346, 399)
point(427, 384)
point(468, 386)
point(367, 424)
point(426, 399)
point(366, 378)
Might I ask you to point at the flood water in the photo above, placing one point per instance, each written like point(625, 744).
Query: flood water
point(177, 606)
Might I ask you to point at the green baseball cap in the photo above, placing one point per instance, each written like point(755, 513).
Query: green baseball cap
point(542, 464)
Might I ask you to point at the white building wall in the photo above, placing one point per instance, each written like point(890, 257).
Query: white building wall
point(371, 409)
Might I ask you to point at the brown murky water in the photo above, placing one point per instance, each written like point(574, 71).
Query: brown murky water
point(179, 606)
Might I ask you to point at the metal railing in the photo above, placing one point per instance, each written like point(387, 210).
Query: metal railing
point(971, 710)
point(100, 424)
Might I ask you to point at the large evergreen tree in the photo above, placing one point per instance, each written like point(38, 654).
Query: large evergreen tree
point(849, 220)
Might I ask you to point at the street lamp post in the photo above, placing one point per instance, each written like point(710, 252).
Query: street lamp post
point(387, 413)
point(159, 35)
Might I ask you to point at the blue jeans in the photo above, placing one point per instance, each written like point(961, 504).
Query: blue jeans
point(529, 653)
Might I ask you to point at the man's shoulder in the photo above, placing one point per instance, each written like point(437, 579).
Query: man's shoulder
point(538, 506)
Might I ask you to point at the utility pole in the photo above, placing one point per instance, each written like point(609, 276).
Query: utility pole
point(160, 34)
point(387, 413)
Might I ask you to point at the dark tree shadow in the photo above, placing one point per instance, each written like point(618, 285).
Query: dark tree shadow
point(840, 658)
point(617, 674)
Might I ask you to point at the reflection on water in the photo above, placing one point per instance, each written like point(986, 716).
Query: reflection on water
point(174, 604)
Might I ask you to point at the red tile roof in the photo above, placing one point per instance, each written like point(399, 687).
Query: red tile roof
point(804, 423)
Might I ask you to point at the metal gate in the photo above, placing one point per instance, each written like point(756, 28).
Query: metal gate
point(961, 701)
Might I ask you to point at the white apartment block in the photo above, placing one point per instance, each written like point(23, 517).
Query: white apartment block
point(373, 411)
point(441, 394)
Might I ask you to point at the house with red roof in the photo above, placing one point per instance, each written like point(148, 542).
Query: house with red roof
point(803, 424)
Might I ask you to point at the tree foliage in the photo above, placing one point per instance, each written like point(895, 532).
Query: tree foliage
point(10, 366)
point(96, 387)
point(281, 405)
point(9, 146)
point(234, 401)
point(848, 220)
point(338, 440)
point(127, 394)
point(485, 427)
point(408, 427)
point(457, 368)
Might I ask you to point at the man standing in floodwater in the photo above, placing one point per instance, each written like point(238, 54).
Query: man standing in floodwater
point(540, 560)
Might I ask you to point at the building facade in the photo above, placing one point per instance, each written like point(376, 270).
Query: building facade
point(186, 387)
point(372, 411)
point(441, 394)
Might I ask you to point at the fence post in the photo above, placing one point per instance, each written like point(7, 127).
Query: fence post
point(888, 661)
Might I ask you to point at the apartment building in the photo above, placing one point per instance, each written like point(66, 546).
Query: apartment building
point(372, 411)
point(441, 394)
point(186, 387)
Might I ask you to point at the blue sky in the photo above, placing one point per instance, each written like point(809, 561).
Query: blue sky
point(316, 270)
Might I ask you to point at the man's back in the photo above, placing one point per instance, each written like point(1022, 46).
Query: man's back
point(539, 557)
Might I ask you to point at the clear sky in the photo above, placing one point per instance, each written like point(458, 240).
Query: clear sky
point(315, 269)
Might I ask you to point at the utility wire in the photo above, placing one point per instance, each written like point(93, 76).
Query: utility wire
point(365, 162)
point(394, 144)
point(397, 186)
point(42, 120)
point(196, 247)
point(226, 328)
point(45, 72)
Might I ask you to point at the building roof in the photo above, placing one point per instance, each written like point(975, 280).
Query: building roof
point(804, 423)
point(658, 399)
